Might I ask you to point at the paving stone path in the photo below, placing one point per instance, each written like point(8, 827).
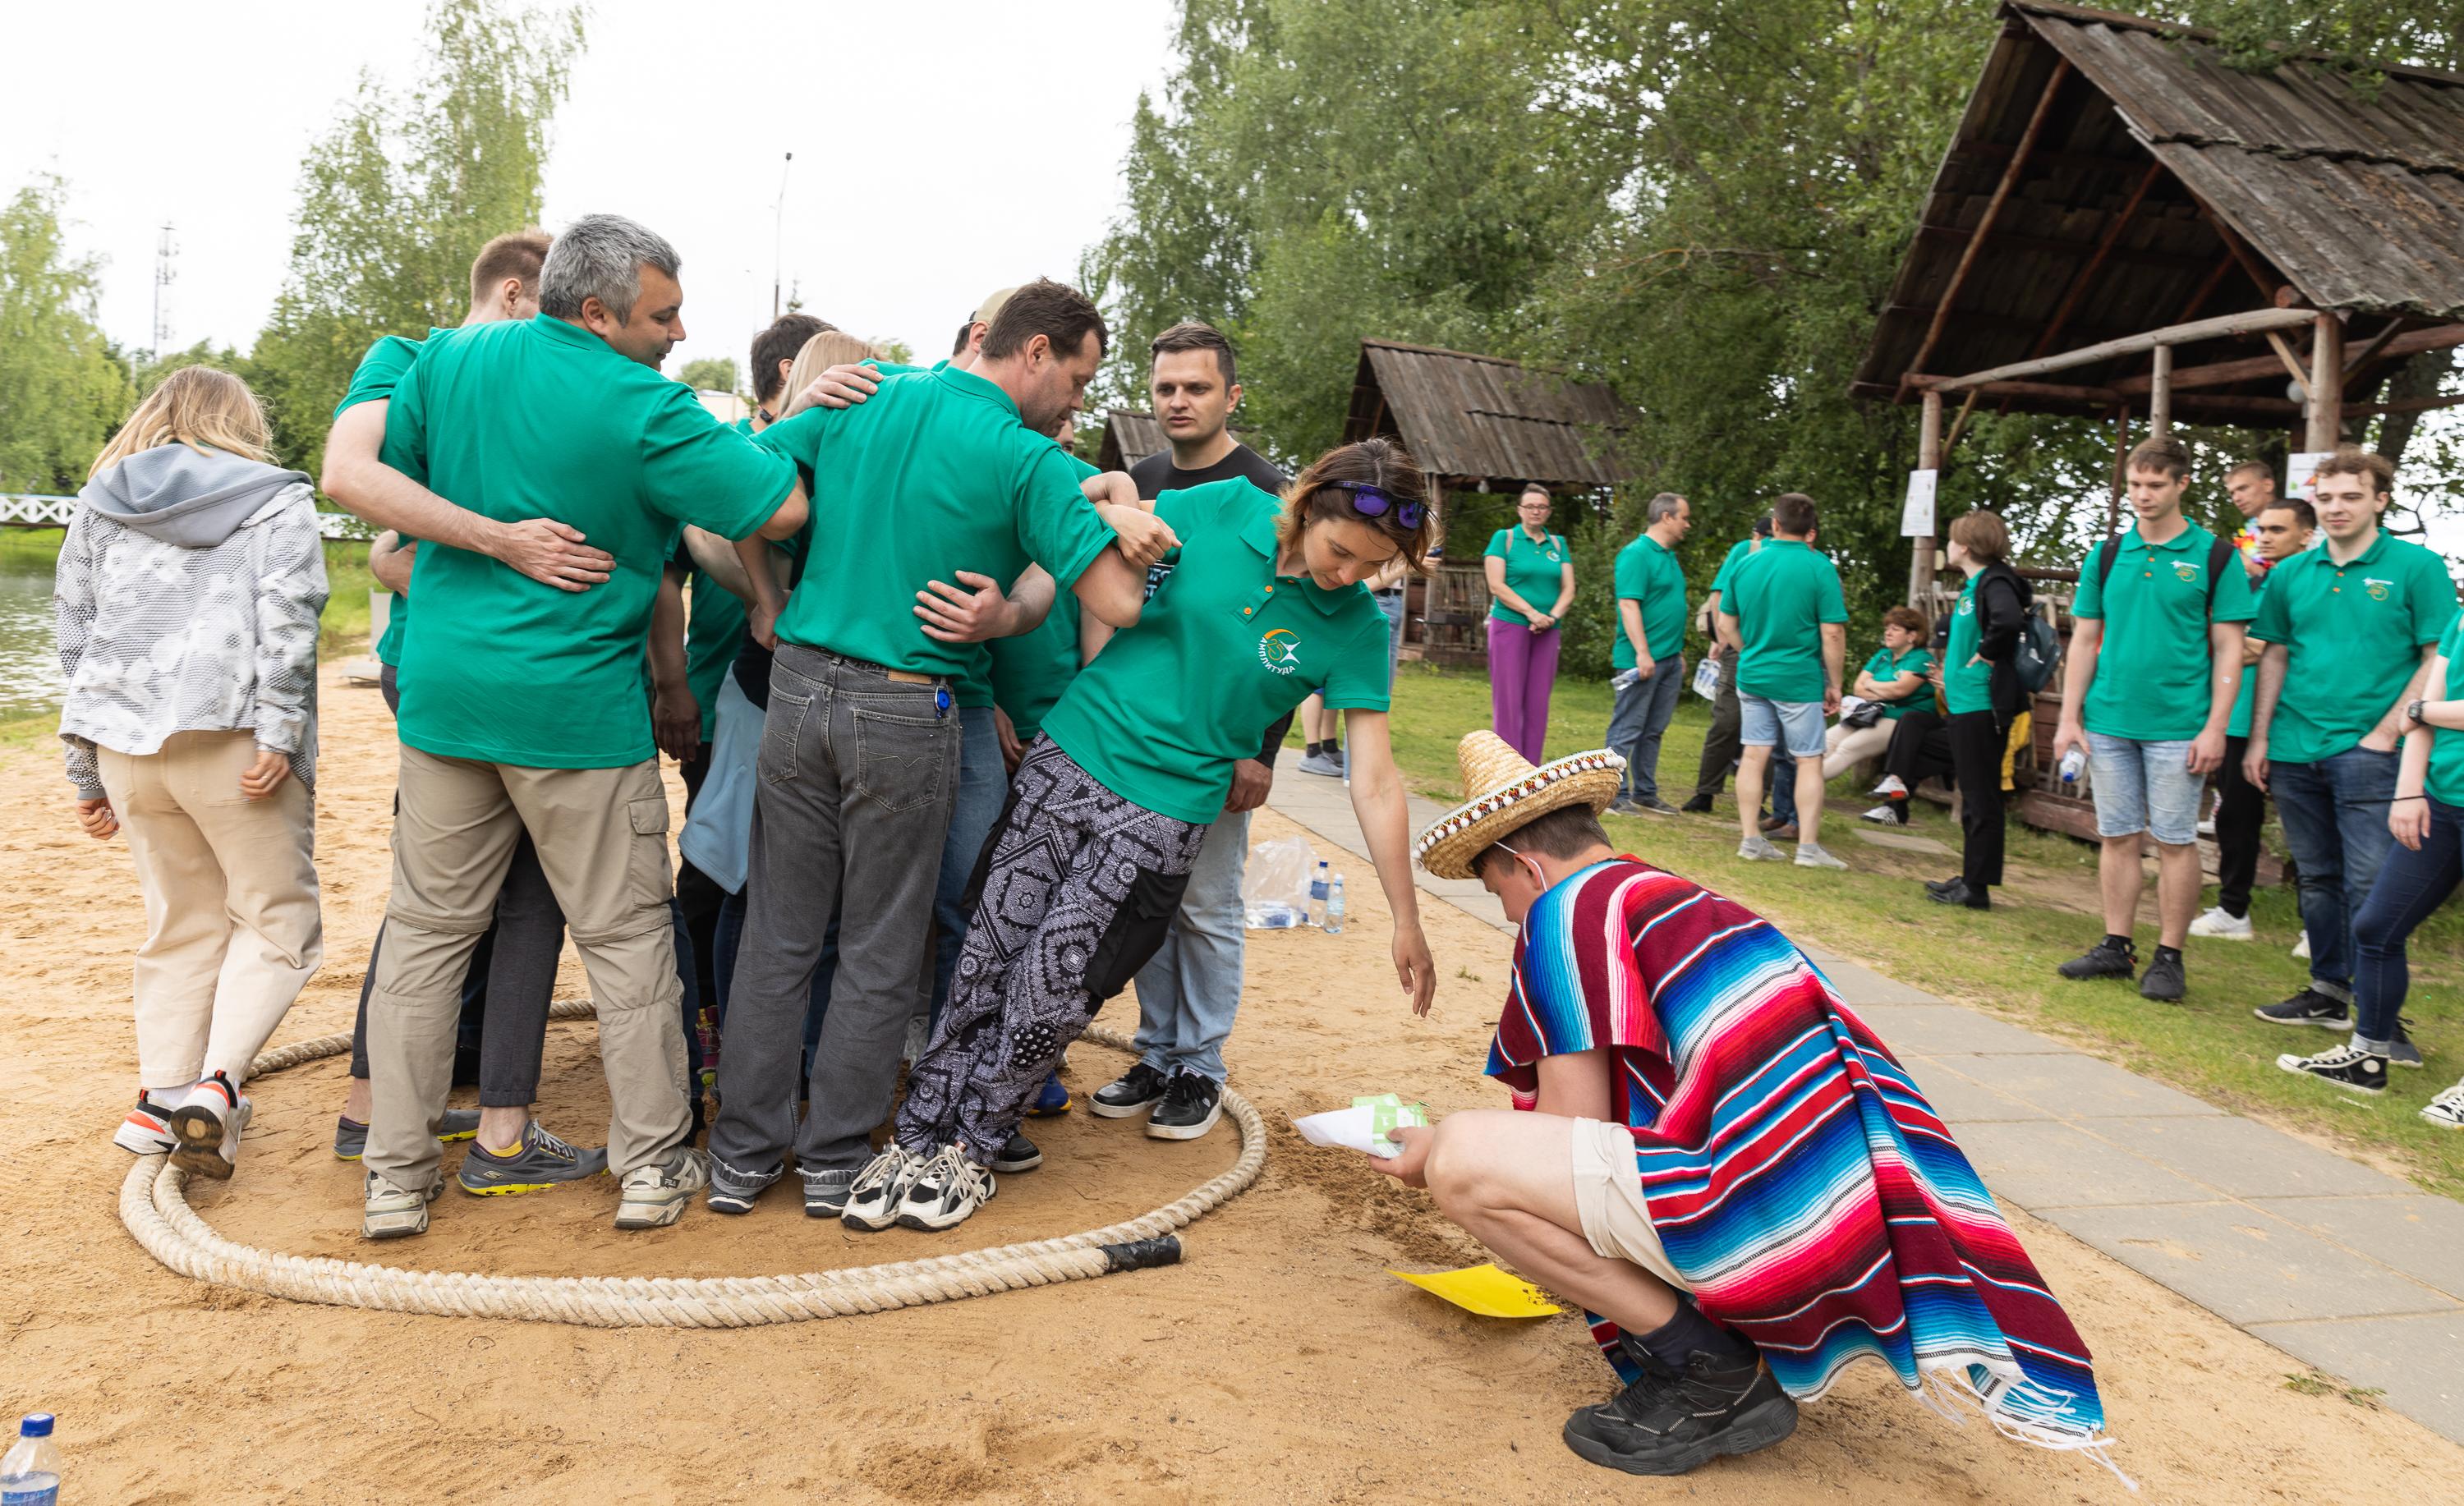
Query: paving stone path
point(2342, 1267)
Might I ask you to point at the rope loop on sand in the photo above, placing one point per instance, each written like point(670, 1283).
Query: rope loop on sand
point(154, 1206)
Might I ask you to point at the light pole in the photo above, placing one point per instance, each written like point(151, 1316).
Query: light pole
point(777, 232)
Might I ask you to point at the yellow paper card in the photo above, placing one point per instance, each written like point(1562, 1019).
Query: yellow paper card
point(1486, 1289)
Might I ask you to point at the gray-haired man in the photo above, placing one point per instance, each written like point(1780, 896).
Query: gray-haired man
point(1650, 653)
point(523, 706)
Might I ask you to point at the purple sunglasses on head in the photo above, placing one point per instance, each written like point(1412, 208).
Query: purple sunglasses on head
point(1369, 502)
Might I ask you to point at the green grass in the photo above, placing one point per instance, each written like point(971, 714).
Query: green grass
point(2003, 961)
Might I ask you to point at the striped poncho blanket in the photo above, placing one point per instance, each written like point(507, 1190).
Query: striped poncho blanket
point(1794, 1172)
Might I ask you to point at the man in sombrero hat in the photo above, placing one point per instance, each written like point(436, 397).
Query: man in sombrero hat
point(1715, 1156)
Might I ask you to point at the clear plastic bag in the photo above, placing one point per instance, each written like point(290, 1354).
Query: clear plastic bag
point(1707, 678)
point(1275, 886)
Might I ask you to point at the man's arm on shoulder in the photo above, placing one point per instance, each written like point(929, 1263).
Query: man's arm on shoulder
point(543, 549)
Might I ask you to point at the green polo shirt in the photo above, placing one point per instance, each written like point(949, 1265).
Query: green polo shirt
point(2248, 695)
point(1884, 667)
point(2352, 636)
point(1741, 549)
point(931, 476)
point(1225, 646)
point(379, 372)
point(713, 632)
point(2446, 783)
point(540, 418)
point(1965, 686)
point(1646, 572)
point(2152, 683)
point(1030, 671)
point(1781, 595)
point(1535, 569)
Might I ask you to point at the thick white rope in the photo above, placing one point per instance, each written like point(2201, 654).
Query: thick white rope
point(157, 1216)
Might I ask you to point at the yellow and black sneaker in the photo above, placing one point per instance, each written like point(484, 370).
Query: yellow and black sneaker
point(351, 1137)
point(539, 1161)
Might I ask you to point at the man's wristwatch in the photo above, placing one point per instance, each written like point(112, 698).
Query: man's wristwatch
point(2412, 711)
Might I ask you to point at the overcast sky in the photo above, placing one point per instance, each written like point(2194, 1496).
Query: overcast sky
point(942, 150)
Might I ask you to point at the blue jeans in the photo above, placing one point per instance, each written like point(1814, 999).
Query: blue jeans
point(729, 935)
point(2334, 816)
point(1191, 989)
point(1638, 720)
point(983, 784)
point(1391, 603)
point(2409, 888)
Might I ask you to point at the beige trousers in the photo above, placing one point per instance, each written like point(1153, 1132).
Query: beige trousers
point(231, 924)
point(1846, 747)
point(602, 836)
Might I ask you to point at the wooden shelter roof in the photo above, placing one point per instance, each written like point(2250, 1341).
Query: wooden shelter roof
point(1131, 436)
point(2160, 186)
point(1481, 422)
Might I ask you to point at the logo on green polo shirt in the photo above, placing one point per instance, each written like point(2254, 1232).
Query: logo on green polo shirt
point(2187, 570)
point(2376, 588)
point(1280, 650)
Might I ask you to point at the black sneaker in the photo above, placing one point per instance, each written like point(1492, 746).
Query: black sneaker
point(1946, 885)
point(2348, 1068)
point(2103, 960)
point(1020, 1154)
point(1133, 1092)
point(1670, 1421)
point(1656, 805)
point(1700, 806)
point(2162, 981)
point(1959, 893)
point(734, 1192)
point(2309, 1007)
point(1189, 1110)
point(826, 1192)
point(2401, 1051)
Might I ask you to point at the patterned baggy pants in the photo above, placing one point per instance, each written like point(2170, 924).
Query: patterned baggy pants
point(1075, 891)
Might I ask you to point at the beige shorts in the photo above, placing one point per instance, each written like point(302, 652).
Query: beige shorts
point(1608, 1196)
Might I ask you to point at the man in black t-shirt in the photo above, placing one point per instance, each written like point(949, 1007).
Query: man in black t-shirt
point(1189, 992)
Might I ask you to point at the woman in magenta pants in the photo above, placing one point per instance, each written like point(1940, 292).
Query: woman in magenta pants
point(1526, 566)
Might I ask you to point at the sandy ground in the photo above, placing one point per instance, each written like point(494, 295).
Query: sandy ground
point(1278, 1363)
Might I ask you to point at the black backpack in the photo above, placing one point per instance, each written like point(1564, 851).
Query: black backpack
point(2034, 656)
point(2220, 551)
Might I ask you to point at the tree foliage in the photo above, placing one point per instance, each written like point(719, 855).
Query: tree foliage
point(399, 196)
point(1700, 201)
point(62, 388)
point(713, 374)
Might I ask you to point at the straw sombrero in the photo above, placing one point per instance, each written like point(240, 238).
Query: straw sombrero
point(1506, 792)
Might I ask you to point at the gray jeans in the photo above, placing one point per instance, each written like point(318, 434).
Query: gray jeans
point(857, 773)
point(1191, 989)
point(1637, 720)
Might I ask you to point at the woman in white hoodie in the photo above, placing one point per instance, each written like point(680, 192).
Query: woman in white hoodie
point(187, 596)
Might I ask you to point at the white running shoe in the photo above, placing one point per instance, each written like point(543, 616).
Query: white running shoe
point(948, 1189)
point(208, 1128)
point(2301, 948)
point(147, 1131)
point(2447, 1109)
point(391, 1212)
point(655, 1193)
point(1883, 816)
point(2223, 927)
point(1891, 785)
point(872, 1203)
point(1759, 849)
point(1810, 855)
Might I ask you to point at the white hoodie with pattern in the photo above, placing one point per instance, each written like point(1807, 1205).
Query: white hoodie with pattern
point(188, 596)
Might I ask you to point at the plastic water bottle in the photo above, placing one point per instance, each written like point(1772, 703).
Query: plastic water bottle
point(30, 1475)
point(1334, 907)
point(2073, 762)
point(1317, 897)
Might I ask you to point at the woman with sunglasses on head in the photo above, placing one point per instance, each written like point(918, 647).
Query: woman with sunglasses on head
point(1085, 870)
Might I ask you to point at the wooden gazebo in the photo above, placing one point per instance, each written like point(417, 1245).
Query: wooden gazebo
point(2126, 228)
point(1483, 423)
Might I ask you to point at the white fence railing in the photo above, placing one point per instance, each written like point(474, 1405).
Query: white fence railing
point(35, 510)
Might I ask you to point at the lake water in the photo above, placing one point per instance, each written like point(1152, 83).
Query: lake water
point(30, 660)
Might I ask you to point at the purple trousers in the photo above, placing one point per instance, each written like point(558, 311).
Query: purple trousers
point(1522, 671)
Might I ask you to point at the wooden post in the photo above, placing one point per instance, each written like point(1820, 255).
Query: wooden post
point(2323, 414)
point(1928, 458)
point(2160, 393)
point(2121, 467)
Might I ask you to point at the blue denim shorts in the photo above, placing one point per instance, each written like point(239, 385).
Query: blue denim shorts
point(2144, 787)
point(1762, 720)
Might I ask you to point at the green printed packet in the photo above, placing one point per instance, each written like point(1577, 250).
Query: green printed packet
point(1388, 1114)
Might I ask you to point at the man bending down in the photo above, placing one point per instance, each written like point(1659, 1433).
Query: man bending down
point(1684, 1077)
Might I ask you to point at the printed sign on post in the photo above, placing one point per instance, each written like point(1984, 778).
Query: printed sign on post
point(2301, 471)
point(1916, 518)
